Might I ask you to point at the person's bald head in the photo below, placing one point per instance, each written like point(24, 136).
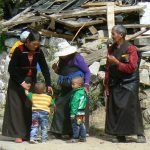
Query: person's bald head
point(77, 82)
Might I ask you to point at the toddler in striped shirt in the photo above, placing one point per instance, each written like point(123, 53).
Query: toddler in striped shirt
point(41, 103)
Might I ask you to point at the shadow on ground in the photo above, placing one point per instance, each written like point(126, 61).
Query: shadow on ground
point(100, 134)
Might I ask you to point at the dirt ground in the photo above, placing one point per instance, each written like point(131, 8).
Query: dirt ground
point(93, 143)
point(99, 140)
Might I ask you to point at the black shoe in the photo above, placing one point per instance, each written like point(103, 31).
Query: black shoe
point(73, 141)
point(119, 139)
point(141, 139)
point(82, 140)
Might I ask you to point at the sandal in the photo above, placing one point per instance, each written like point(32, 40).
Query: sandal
point(18, 140)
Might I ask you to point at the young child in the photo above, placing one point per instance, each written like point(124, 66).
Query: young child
point(77, 106)
point(23, 38)
point(41, 103)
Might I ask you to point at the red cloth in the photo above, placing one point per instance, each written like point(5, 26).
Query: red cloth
point(124, 67)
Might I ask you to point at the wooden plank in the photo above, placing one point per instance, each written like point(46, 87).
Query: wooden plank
point(17, 16)
point(96, 11)
point(45, 6)
point(23, 21)
point(64, 5)
point(93, 30)
point(137, 25)
point(95, 56)
point(110, 17)
point(52, 24)
point(40, 2)
point(77, 4)
point(144, 49)
point(75, 24)
point(95, 4)
point(54, 34)
point(131, 37)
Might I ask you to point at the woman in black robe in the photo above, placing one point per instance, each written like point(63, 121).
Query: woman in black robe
point(22, 70)
point(123, 113)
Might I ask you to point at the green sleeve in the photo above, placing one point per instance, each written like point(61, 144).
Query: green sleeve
point(75, 101)
point(30, 96)
point(52, 103)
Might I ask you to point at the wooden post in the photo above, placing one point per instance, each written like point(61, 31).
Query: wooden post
point(110, 17)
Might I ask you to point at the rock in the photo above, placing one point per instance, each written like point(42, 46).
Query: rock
point(146, 115)
point(1, 85)
point(10, 42)
point(97, 118)
point(44, 41)
point(145, 104)
point(7, 60)
point(142, 62)
point(101, 75)
point(144, 76)
point(83, 54)
point(147, 93)
point(142, 95)
point(103, 62)
point(95, 45)
point(94, 68)
point(2, 99)
point(146, 54)
point(55, 41)
point(2, 68)
point(1, 124)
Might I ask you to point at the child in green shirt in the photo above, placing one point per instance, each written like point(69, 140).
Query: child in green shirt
point(77, 113)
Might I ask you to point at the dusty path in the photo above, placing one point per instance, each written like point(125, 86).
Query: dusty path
point(93, 143)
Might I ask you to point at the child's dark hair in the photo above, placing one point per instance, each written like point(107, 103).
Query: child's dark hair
point(34, 36)
point(78, 79)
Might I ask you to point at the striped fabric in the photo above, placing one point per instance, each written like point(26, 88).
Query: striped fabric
point(41, 102)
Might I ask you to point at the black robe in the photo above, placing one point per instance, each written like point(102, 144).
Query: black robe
point(17, 116)
point(123, 115)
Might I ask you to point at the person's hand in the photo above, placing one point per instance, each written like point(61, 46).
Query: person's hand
point(111, 59)
point(50, 90)
point(86, 90)
point(26, 92)
point(26, 86)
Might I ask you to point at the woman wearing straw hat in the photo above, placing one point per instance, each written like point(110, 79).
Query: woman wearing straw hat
point(70, 65)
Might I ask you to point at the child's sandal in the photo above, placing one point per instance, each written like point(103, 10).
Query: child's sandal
point(18, 140)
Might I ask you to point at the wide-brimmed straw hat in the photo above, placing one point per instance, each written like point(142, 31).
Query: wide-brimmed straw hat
point(65, 49)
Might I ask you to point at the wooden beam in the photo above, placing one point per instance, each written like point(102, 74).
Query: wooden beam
point(137, 25)
point(54, 34)
point(131, 37)
point(110, 17)
point(96, 11)
point(95, 4)
point(144, 49)
point(15, 18)
point(75, 24)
